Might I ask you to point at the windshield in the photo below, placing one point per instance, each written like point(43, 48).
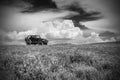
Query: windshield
point(37, 36)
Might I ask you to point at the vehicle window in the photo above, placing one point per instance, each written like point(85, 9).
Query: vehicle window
point(37, 36)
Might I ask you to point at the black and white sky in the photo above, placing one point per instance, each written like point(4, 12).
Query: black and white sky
point(68, 21)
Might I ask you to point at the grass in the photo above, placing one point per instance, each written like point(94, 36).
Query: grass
point(60, 62)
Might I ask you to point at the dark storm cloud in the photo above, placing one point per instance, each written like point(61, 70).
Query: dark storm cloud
point(15, 3)
point(7, 2)
point(38, 5)
point(108, 35)
point(82, 14)
point(77, 24)
point(34, 5)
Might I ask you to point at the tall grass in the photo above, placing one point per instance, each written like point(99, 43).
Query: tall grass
point(59, 62)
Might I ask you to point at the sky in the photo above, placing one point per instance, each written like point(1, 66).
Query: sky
point(59, 21)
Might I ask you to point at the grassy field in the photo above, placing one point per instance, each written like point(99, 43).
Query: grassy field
point(60, 62)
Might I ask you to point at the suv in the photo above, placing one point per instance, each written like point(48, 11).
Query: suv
point(35, 39)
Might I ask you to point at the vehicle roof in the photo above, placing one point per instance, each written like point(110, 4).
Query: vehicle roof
point(33, 35)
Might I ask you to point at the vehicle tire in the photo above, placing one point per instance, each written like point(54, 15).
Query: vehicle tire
point(28, 42)
point(40, 43)
point(45, 43)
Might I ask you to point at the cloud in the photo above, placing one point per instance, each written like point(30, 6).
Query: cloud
point(112, 39)
point(107, 33)
point(83, 15)
point(101, 25)
point(38, 5)
point(93, 38)
point(14, 37)
point(62, 30)
point(21, 35)
point(79, 25)
point(118, 38)
point(73, 6)
point(58, 31)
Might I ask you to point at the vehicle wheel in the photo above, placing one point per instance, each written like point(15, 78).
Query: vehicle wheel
point(45, 43)
point(40, 43)
point(28, 42)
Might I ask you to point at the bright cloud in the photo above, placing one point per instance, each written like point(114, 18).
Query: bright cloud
point(112, 39)
point(63, 29)
point(20, 35)
point(57, 31)
point(93, 38)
